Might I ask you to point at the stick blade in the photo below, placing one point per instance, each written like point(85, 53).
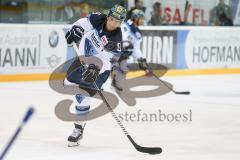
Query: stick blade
point(149, 150)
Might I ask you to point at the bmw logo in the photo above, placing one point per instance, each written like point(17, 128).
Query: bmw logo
point(53, 39)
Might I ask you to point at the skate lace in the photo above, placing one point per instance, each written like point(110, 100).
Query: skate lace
point(76, 132)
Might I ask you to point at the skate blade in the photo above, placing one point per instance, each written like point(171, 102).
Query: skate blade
point(73, 144)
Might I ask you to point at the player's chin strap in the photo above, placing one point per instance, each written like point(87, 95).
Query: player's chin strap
point(150, 150)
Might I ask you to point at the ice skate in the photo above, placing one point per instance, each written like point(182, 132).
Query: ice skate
point(76, 136)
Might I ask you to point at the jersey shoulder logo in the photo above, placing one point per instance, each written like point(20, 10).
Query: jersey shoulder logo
point(104, 40)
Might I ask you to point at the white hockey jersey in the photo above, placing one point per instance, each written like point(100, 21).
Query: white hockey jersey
point(96, 42)
point(132, 34)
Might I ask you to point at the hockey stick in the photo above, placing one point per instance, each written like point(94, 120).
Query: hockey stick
point(176, 92)
point(150, 150)
point(24, 121)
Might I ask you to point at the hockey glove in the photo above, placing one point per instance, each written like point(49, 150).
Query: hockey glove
point(127, 49)
point(124, 55)
point(75, 34)
point(91, 73)
point(143, 64)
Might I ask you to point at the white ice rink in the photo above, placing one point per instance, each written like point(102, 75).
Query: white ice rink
point(213, 134)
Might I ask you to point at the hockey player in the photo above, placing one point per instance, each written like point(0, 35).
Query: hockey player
point(132, 34)
point(109, 32)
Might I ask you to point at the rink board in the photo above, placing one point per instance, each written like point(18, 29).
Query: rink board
point(33, 52)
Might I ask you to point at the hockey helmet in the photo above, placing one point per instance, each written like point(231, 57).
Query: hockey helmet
point(118, 12)
point(137, 13)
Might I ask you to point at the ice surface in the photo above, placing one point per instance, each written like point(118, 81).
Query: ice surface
point(213, 133)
